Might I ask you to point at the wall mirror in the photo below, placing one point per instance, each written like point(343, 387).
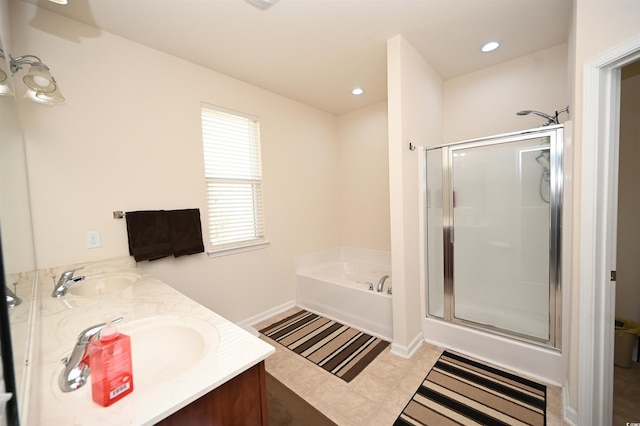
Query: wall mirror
point(18, 259)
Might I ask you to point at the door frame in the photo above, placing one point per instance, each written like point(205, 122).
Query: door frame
point(598, 226)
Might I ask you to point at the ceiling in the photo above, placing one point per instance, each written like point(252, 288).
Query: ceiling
point(316, 51)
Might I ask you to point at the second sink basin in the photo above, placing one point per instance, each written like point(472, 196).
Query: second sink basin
point(164, 347)
point(97, 285)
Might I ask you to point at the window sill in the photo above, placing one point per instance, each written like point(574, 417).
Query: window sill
point(241, 249)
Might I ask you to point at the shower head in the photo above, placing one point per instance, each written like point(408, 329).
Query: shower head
point(551, 119)
point(541, 114)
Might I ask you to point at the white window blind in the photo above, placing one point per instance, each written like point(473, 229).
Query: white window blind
point(234, 179)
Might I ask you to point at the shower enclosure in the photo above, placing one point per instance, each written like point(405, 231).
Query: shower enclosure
point(493, 208)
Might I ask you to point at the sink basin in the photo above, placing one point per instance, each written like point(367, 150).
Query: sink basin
point(164, 347)
point(97, 285)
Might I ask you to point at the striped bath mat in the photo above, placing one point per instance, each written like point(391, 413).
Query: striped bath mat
point(459, 390)
point(341, 350)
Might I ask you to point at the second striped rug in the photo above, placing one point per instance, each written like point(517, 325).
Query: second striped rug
point(337, 348)
point(463, 391)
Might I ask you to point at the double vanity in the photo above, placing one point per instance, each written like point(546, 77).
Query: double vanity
point(188, 362)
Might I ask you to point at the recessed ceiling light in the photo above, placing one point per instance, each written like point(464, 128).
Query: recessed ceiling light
point(262, 4)
point(357, 91)
point(491, 46)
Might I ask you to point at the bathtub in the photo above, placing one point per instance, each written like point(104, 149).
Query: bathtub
point(336, 284)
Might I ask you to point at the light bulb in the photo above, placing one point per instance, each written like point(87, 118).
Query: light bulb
point(491, 46)
point(39, 78)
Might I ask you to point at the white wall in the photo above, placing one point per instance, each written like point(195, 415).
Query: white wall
point(415, 116)
point(129, 138)
point(485, 102)
point(14, 193)
point(364, 178)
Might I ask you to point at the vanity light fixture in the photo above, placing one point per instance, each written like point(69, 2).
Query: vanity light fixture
point(49, 99)
point(357, 91)
point(59, 1)
point(490, 46)
point(42, 87)
point(5, 87)
point(38, 78)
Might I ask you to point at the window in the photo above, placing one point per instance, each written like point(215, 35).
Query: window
point(234, 180)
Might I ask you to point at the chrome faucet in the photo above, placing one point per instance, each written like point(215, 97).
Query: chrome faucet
point(381, 283)
point(66, 280)
point(12, 298)
point(76, 368)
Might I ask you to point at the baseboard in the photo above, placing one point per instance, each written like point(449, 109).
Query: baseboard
point(570, 415)
point(408, 351)
point(248, 323)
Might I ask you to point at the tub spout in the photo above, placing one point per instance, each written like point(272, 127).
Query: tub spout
point(381, 283)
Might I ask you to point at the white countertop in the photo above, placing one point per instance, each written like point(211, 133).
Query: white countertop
point(60, 320)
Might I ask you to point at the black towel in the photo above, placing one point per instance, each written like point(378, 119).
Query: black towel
point(154, 234)
point(149, 235)
point(185, 231)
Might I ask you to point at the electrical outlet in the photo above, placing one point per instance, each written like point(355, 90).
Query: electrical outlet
point(93, 239)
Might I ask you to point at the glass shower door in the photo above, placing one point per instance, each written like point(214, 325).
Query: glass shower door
point(493, 226)
point(501, 220)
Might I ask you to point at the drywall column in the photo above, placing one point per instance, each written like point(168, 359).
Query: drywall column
point(415, 95)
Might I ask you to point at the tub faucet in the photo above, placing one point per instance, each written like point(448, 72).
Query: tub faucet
point(66, 280)
point(381, 283)
point(76, 368)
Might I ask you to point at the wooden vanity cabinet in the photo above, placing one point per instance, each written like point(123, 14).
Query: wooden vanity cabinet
point(241, 401)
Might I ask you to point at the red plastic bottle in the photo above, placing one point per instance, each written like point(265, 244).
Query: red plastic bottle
point(111, 367)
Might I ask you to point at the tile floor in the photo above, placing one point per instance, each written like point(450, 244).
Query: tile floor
point(626, 391)
point(377, 395)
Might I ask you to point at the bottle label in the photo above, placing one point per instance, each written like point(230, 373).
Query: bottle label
point(125, 387)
